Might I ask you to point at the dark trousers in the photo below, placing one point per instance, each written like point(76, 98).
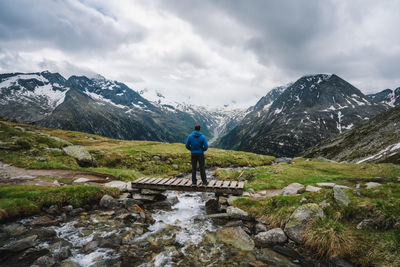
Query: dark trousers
point(198, 158)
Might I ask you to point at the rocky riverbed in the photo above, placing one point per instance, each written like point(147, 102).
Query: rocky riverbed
point(123, 233)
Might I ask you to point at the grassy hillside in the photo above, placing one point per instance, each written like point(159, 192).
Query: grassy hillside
point(126, 160)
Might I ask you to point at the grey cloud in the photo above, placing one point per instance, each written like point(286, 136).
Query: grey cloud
point(67, 25)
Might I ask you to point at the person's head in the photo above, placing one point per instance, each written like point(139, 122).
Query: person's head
point(197, 127)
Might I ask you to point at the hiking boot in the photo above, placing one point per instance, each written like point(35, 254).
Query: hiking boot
point(193, 185)
point(205, 184)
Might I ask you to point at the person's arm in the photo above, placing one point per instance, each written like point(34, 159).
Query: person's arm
point(188, 144)
point(205, 144)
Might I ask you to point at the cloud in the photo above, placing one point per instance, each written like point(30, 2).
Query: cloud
point(212, 52)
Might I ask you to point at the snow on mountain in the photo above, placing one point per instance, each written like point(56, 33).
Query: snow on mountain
point(388, 97)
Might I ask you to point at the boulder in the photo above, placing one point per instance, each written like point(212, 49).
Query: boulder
point(272, 237)
point(297, 223)
point(145, 191)
point(44, 221)
point(292, 189)
point(236, 237)
point(340, 197)
point(122, 186)
point(14, 229)
point(237, 213)
point(81, 155)
point(20, 244)
point(372, 185)
point(212, 206)
point(107, 202)
point(310, 188)
point(259, 227)
point(331, 185)
point(81, 180)
point(45, 261)
point(283, 160)
point(231, 199)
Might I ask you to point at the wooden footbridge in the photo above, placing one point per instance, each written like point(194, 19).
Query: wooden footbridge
point(176, 184)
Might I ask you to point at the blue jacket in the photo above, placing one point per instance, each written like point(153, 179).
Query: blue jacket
point(196, 142)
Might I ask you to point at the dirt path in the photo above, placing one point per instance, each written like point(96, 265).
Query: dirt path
point(14, 175)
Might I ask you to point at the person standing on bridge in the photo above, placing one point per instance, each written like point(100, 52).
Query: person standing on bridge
point(197, 144)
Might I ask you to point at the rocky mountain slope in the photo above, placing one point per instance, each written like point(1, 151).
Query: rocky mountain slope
point(377, 140)
point(308, 111)
point(388, 96)
point(99, 106)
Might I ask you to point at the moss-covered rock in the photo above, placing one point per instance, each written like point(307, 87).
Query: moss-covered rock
point(81, 155)
point(296, 226)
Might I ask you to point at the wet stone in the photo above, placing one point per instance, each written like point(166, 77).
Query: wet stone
point(70, 264)
point(15, 229)
point(45, 261)
point(30, 255)
point(20, 244)
point(44, 221)
point(76, 211)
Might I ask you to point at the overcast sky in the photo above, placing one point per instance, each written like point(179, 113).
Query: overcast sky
point(205, 52)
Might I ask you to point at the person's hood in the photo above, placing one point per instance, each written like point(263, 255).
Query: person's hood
point(197, 134)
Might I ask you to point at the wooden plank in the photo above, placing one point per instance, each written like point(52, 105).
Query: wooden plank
point(241, 185)
point(170, 181)
point(150, 181)
point(188, 182)
point(184, 181)
point(177, 181)
point(211, 183)
point(233, 184)
point(138, 180)
point(218, 184)
point(145, 180)
point(163, 181)
point(156, 181)
point(226, 184)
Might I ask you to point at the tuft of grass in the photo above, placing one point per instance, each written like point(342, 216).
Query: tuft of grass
point(329, 238)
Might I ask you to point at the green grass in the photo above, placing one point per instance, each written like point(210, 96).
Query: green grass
point(313, 171)
point(28, 200)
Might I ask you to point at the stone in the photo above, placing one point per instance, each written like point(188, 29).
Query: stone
point(81, 180)
point(129, 202)
point(15, 229)
point(263, 219)
point(339, 262)
point(236, 237)
point(68, 208)
point(283, 160)
point(222, 200)
point(212, 206)
point(53, 209)
point(259, 227)
point(70, 264)
point(340, 197)
point(44, 221)
point(246, 194)
point(76, 211)
point(231, 199)
point(63, 254)
point(41, 159)
point(272, 237)
point(324, 204)
point(372, 185)
point(20, 244)
point(122, 186)
point(45, 261)
point(175, 166)
point(292, 189)
point(251, 191)
point(331, 185)
point(27, 257)
point(273, 258)
point(90, 246)
point(150, 192)
point(56, 183)
point(124, 196)
point(144, 197)
point(107, 202)
point(107, 213)
point(237, 213)
point(44, 233)
point(135, 208)
point(234, 223)
point(173, 200)
point(367, 223)
point(81, 155)
point(297, 223)
point(310, 188)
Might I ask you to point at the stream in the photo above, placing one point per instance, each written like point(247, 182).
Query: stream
point(126, 237)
